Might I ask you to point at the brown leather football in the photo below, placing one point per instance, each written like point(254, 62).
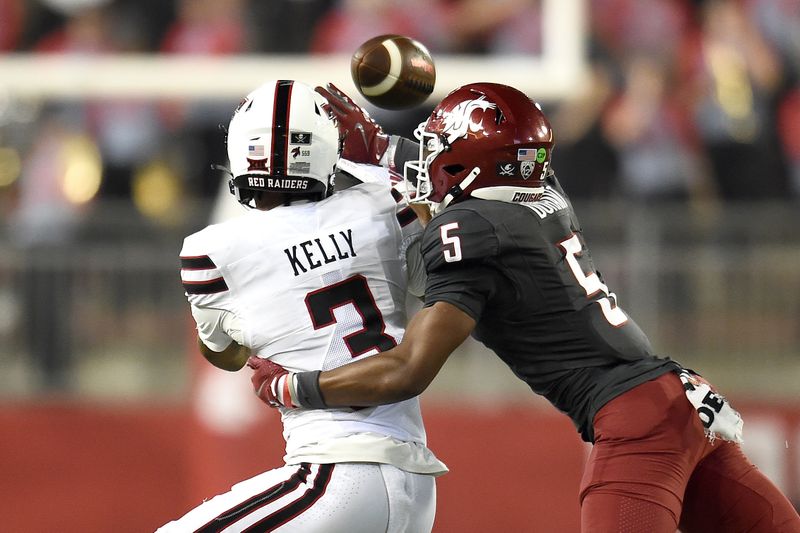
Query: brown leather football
point(393, 71)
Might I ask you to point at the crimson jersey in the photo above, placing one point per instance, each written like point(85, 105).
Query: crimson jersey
point(523, 272)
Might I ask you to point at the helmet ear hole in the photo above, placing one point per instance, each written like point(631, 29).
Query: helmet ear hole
point(454, 169)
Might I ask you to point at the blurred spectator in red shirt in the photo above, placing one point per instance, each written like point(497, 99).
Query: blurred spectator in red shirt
point(789, 130)
point(11, 17)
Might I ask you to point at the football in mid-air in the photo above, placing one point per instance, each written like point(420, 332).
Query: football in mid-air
point(393, 71)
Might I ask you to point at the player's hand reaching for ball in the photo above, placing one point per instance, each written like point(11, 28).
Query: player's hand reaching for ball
point(271, 382)
point(364, 139)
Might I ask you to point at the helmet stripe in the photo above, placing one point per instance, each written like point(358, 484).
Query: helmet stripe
point(280, 127)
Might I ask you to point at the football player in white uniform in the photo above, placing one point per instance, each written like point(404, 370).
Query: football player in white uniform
point(312, 281)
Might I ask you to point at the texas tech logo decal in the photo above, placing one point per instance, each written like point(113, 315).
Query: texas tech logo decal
point(258, 164)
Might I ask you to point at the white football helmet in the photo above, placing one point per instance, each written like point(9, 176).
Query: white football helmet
point(282, 138)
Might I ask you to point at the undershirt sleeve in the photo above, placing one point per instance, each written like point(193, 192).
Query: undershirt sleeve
point(415, 267)
point(401, 150)
point(217, 327)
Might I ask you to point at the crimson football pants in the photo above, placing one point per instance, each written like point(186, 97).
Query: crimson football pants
point(653, 470)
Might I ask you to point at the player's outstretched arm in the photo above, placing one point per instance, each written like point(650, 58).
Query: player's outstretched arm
point(404, 371)
point(231, 358)
point(391, 376)
point(364, 139)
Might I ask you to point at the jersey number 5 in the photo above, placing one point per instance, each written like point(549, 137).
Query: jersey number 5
point(451, 243)
point(591, 281)
point(354, 290)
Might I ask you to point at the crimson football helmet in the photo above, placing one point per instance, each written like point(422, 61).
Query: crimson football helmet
point(282, 138)
point(483, 140)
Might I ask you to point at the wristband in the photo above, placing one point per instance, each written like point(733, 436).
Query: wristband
point(284, 390)
point(308, 391)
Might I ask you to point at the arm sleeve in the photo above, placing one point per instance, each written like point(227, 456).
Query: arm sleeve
point(415, 266)
point(363, 173)
point(217, 327)
point(400, 150)
point(342, 180)
point(411, 231)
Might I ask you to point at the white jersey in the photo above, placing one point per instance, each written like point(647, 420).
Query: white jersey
point(313, 286)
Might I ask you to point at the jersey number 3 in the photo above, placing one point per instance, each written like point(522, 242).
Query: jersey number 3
point(591, 281)
point(354, 290)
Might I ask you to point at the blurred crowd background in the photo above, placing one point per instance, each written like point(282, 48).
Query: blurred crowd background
point(682, 151)
point(687, 97)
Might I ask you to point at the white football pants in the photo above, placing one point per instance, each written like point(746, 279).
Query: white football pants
point(314, 498)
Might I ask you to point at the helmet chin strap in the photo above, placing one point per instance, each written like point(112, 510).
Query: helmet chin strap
point(457, 190)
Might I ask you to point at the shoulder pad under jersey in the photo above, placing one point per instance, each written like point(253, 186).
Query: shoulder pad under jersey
point(458, 235)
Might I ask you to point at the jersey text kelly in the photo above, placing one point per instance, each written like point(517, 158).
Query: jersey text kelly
point(312, 254)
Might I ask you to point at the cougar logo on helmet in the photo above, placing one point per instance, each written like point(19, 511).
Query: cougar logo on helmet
point(458, 122)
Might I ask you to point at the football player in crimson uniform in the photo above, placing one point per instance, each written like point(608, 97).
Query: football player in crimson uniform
point(312, 280)
point(508, 264)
